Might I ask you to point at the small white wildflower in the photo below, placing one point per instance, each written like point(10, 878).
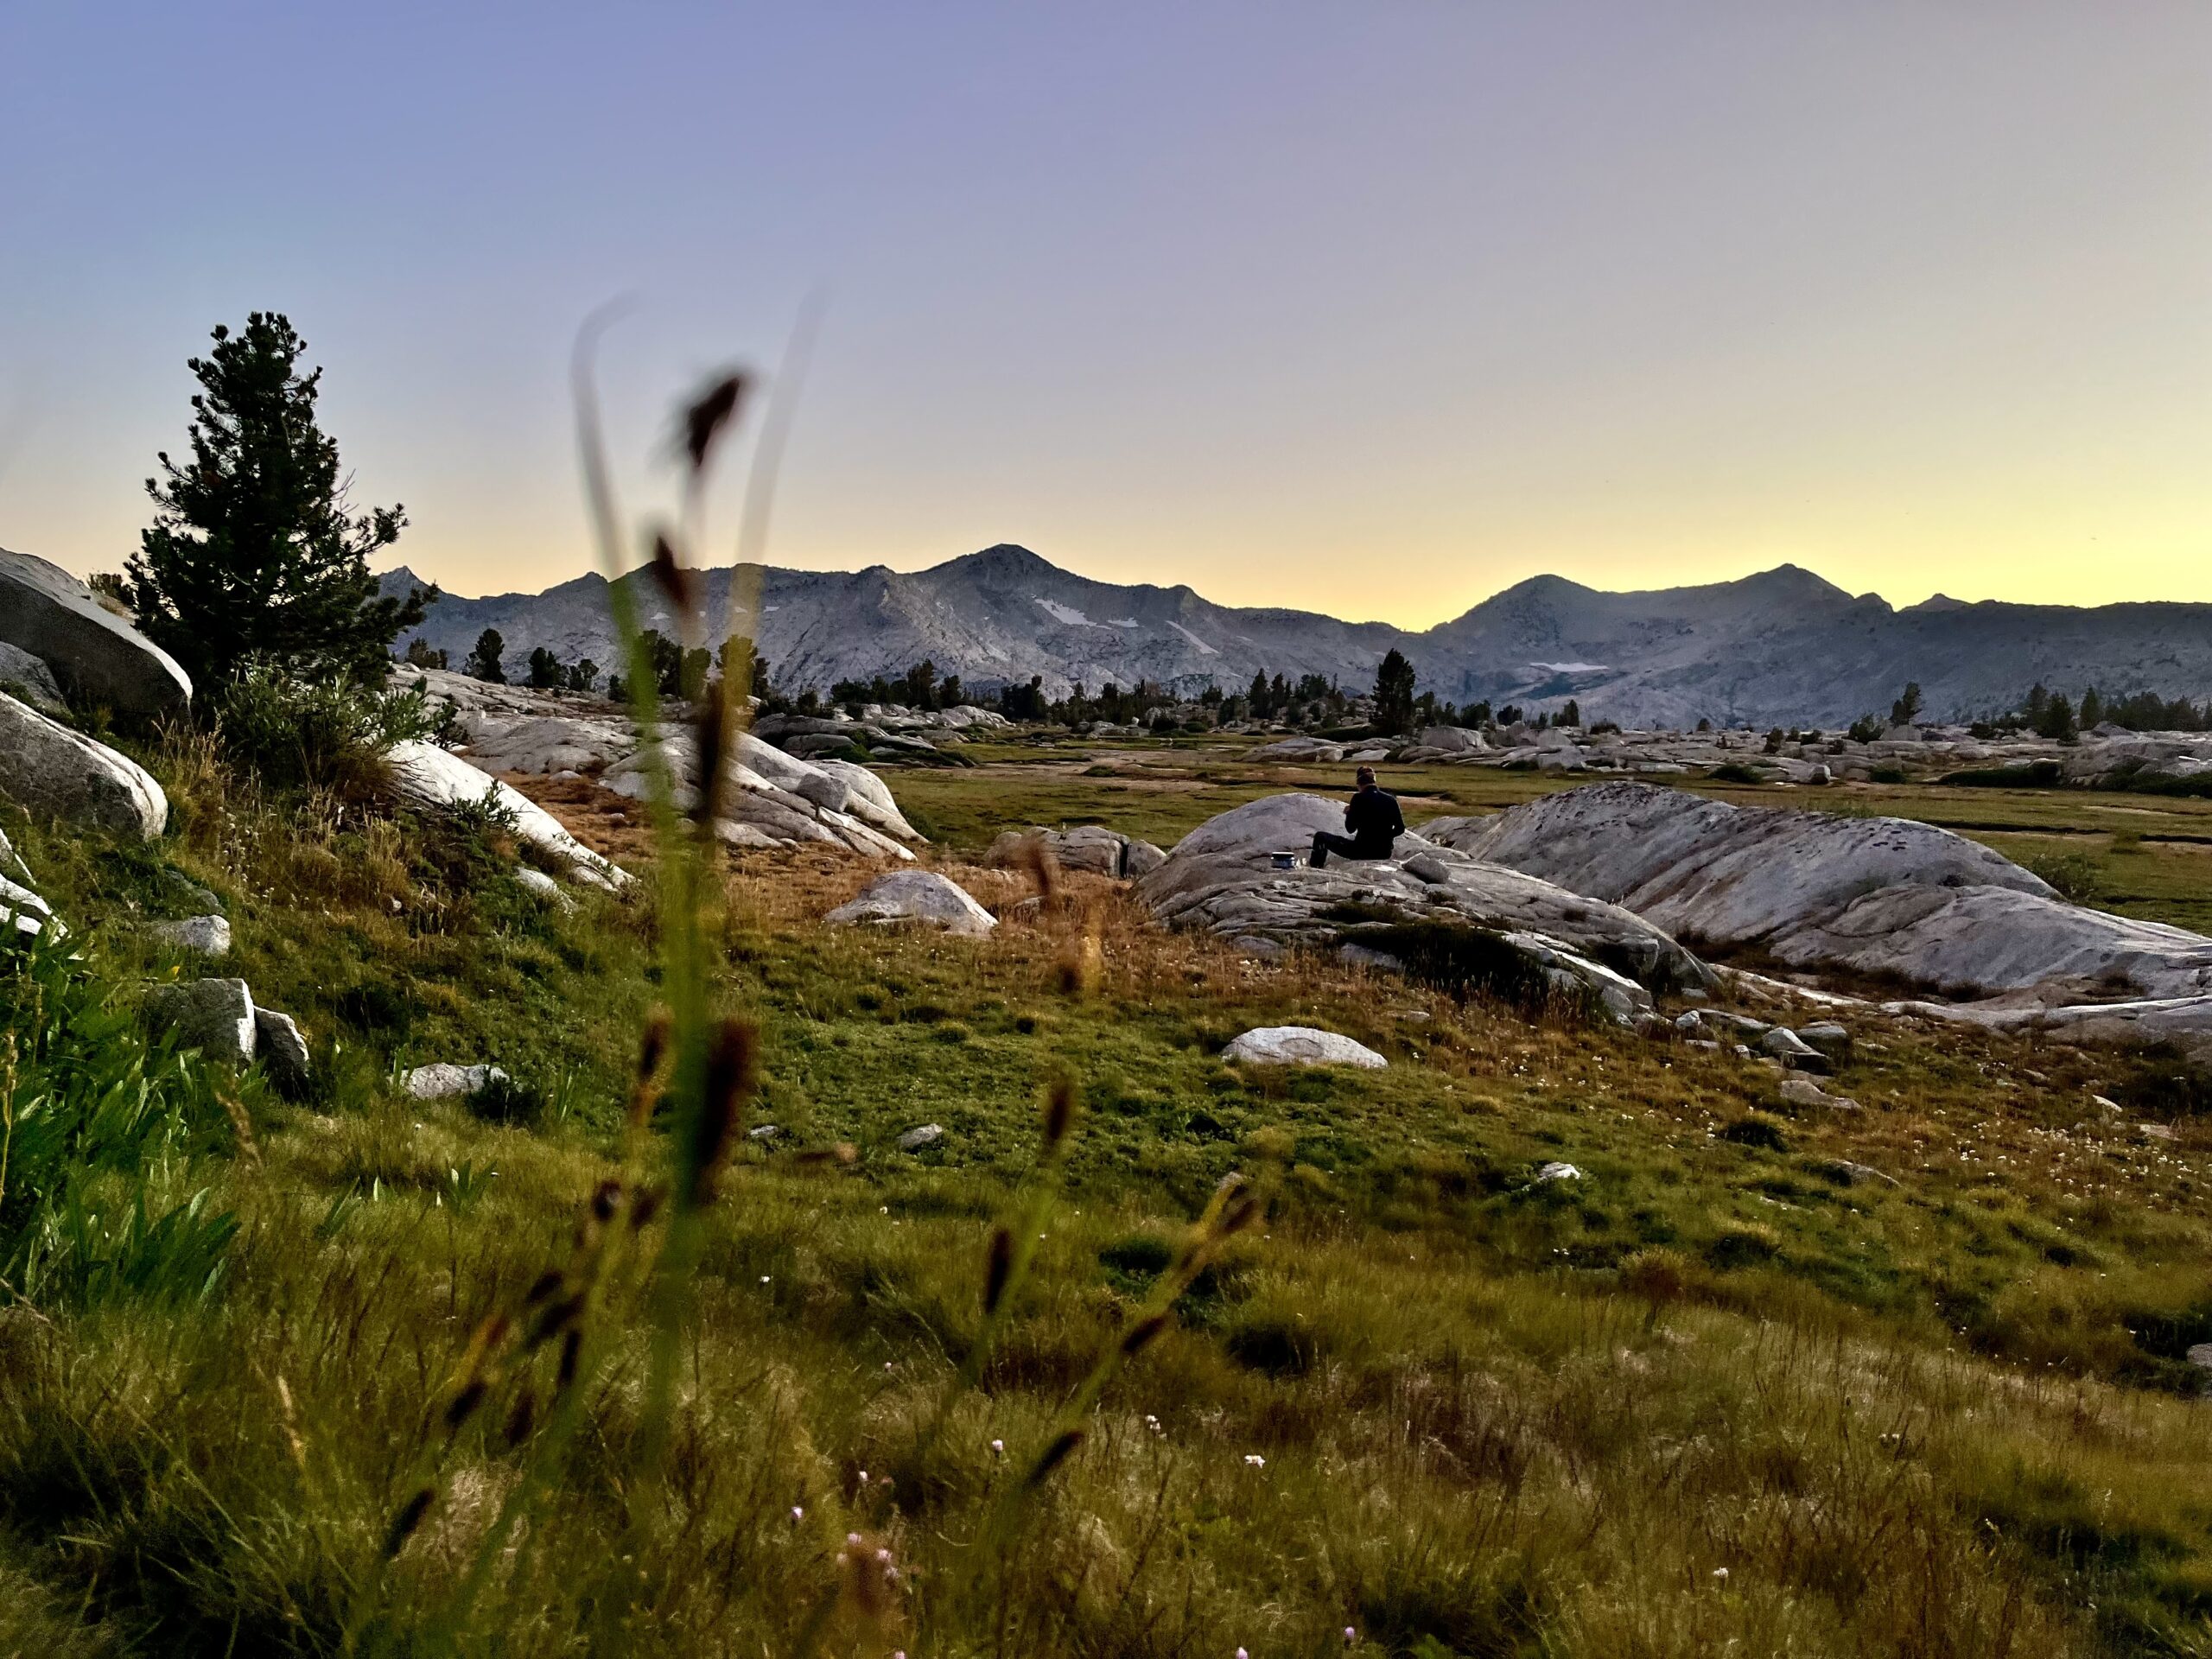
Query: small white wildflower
point(998, 1448)
point(863, 1476)
point(764, 1278)
point(1720, 1571)
point(1255, 1460)
point(853, 1540)
point(1350, 1636)
point(798, 1514)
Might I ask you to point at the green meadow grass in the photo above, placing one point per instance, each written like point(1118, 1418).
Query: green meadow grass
point(1902, 1382)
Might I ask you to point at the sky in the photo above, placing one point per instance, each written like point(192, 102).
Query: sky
point(1372, 308)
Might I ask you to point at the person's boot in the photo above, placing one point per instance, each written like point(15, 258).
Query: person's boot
point(1319, 858)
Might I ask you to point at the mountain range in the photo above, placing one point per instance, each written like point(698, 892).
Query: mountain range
point(1781, 647)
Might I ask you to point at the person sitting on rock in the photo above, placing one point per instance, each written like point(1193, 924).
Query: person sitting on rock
point(1373, 818)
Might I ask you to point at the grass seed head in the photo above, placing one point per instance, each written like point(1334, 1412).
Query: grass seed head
point(1139, 1336)
point(998, 1267)
point(409, 1518)
point(707, 414)
point(1060, 1112)
point(730, 1070)
point(677, 582)
point(1064, 1444)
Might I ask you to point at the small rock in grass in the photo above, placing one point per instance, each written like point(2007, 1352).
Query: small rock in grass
point(922, 1135)
point(1803, 1091)
point(1831, 1039)
point(1558, 1172)
point(1785, 1045)
point(204, 935)
point(1689, 1022)
point(446, 1081)
point(1866, 1172)
point(763, 1132)
point(1301, 1045)
point(283, 1050)
point(213, 1015)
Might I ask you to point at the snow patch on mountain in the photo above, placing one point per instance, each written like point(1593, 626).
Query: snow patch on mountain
point(1194, 639)
point(1067, 613)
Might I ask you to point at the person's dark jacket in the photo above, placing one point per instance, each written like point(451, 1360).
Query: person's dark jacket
point(1372, 819)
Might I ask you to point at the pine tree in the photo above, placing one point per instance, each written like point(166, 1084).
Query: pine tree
point(546, 673)
point(483, 663)
point(1394, 692)
point(252, 550)
point(1906, 709)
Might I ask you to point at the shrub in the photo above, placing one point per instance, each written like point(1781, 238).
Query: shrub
point(1735, 772)
point(1756, 1131)
point(327, 733)
point(2037, 774)
point(2073, 875)
point(502, 1100)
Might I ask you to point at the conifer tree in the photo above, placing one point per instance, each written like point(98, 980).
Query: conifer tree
point(253, 550)
point(1393, 691)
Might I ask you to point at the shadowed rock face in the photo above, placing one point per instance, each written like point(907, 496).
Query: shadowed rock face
point(1817, 891)
point(1222, 877)
point(101, 660)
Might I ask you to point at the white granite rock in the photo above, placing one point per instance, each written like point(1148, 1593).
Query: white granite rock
point(922, 897)
point(1301, 1045)
point(63, 776)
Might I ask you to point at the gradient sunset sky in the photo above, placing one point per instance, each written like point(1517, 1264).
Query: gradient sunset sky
point(1369, 307)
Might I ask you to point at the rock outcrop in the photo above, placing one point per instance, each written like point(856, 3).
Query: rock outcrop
point(1087, 846)
point(1301, 1045)
point(1476, 921)
point(1870, 896)
point(101, 660)
point(431, 777)
point(63, 776)
point(1876, 897)
point(922, 897)
point(774, 799)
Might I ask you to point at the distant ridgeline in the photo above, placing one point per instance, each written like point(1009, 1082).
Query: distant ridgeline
point(1782, 648)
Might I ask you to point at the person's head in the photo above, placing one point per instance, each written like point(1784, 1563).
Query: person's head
point(1365, 777)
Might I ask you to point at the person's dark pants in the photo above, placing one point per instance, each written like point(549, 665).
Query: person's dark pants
point(1345, 847)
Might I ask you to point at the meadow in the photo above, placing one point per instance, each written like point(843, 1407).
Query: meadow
point(1908, 1381)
